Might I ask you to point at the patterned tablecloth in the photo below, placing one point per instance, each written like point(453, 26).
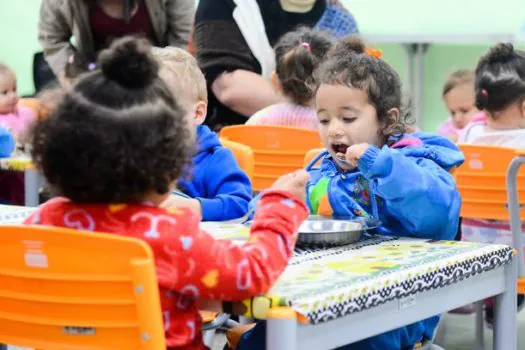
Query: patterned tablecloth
point(10, 214)
point(324, 284)
point(21, 163)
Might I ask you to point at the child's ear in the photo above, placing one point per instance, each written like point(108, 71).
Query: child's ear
point(276, 83)
point(391, 121)
point(200, 111)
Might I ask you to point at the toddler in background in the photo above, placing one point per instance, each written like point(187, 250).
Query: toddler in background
point(500, 94)
point(17, 119)
point(297, 55)
point(458, 95)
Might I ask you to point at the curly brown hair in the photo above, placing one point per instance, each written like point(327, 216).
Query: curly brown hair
point(348, 64)
point(118, 134)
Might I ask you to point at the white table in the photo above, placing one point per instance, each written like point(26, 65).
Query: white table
point(353, 315)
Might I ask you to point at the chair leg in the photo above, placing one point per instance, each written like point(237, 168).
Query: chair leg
point(208, 337)
point(480, 325)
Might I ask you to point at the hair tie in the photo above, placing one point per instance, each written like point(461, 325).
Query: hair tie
point(306, 46)
point(377, 53)
point(484, 92)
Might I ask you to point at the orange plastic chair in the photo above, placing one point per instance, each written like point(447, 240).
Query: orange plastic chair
point(243, 154)
point(278, 150)
point(482, 184)
point(61, 289)
point(32, 103)
point(481, 181)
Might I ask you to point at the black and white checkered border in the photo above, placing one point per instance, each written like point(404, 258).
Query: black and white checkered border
point(437, 279)
point(305, 254)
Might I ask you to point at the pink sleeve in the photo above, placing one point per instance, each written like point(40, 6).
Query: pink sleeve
point(447, 128)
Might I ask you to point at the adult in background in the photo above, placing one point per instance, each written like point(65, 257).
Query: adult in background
point(95, 23)
point(233, 41)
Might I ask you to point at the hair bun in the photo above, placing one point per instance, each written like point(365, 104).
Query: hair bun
point(500, 53)
point(352, 43)
point(129, 62)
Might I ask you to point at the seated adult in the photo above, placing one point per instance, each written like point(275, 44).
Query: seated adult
point(95, 23)
point(233, 41)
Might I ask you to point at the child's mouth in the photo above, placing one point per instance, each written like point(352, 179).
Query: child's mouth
point(340, 148)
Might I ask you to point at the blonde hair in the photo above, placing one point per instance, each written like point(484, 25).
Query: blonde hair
point(181, 73)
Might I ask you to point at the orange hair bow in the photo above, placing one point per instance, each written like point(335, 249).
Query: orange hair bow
point(377, 53)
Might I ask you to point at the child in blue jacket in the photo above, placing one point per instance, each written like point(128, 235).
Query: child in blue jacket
point(371, 168)
point(217, 188)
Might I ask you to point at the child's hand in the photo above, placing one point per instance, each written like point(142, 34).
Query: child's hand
point(294, 182)
point(175, 201)
point(355, 152)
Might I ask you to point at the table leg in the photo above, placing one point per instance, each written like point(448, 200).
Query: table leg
point(480, 325)
point(31, 186)
point(281, 329)
point(505, 318)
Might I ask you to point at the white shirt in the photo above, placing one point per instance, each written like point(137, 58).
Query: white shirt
point(477, 134)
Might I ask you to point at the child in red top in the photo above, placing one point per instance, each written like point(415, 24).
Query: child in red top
point(114, 148)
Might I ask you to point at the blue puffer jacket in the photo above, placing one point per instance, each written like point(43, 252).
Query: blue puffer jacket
point(407, 187)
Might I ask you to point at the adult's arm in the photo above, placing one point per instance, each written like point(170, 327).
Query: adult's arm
point(231, 70)
point(54, 33)
point(244, 92)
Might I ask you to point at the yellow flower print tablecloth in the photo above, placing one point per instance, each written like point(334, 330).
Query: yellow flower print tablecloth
point(11, 214)
point(332, 283)
point(324, 284)
point(21, 163)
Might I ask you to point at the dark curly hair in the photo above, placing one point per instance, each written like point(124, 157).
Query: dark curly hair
point(500, 78)
point(297, 55)
point(348, 64)
point(118, 134)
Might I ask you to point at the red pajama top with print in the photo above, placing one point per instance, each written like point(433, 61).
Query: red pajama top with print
point(190, 263)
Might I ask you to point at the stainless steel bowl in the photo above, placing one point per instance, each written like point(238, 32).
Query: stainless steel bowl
point(328, 232)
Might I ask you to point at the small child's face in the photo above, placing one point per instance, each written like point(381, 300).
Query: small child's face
point(8, 94)
point(461, 103)
point(346, 118)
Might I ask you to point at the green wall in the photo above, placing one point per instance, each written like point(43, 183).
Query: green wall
point(18, 38)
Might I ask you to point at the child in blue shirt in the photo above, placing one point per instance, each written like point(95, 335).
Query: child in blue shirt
point(372, 168)
point(217, 188)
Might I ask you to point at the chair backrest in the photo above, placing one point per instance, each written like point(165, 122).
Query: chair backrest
point(277, 149)
point(311, 154)
point(481, 182)
point(243, 154)
point(64, 289)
